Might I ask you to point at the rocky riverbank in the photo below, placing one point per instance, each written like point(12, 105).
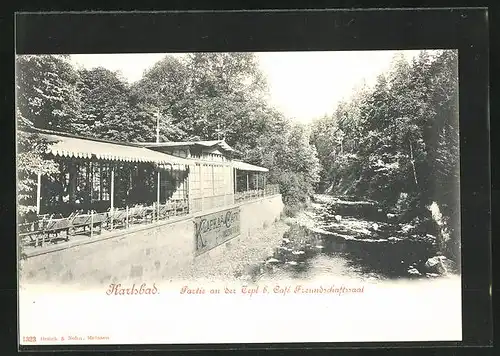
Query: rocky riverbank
point(234, 261)
point(333, 237)
point(370, 233)
point(139, 260)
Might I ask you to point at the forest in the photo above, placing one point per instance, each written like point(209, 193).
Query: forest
point(205, 96)
point(398, 144)
point(395, 143)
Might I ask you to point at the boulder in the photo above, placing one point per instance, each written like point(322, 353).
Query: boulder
point(394, 239)
point(406, 228)
point(338, 218)
point(449, 265)
point(434, 265)
point(273, 260)
point(432, 275)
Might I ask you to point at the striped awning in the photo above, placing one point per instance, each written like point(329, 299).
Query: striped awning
point(242, 166)
point(73, 147)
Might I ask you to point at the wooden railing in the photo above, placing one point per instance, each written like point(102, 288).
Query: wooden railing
point(211, 202)
point(55, 228)
point(269, 190)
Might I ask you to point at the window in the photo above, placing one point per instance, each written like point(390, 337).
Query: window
point(208, 189)
point(96, 181)
point(195, 180)
point(105, 181)
point(219, 180)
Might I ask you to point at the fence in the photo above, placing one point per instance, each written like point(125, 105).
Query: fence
point(269, 190)
point(54, 228)
point(211, 202)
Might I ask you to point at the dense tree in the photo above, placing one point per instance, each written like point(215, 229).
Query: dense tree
point(47, 93)
point(202, 96)
point(47, 98)
point(107, 108)
point(30, 162)
point(291, 159)
point(229, 90)
point(164, 93)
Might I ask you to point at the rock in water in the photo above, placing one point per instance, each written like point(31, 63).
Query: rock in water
point(414, 272)
point(434, 265)
point(273, 260)
point(375, 226)
point(338, 218)
point(449, 265)
point(394, 238)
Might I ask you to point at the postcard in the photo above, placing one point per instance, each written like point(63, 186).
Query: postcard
point(238, 197)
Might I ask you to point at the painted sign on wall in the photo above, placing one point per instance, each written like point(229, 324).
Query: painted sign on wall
point(214, 229)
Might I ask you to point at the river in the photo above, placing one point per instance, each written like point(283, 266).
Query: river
point(347, 238)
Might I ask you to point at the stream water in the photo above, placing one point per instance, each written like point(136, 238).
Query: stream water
point(346, 238)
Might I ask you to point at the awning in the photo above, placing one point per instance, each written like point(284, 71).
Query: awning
point(63, 146)
point(242, 166)
point(219, 143)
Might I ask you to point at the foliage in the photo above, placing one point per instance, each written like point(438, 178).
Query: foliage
point(396, 143)
point(164, 90)
point(47, 93)
point(400, 137)
point(30, 161)
point(291, 160)
point(222, 96)
point(107, 108)
point(204, 96)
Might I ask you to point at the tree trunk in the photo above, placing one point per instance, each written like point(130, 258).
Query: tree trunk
point(412, 160)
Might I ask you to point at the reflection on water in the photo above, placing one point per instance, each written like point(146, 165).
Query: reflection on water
point(344, 239)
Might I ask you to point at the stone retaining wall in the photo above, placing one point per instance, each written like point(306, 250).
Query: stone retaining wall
point(159, 249)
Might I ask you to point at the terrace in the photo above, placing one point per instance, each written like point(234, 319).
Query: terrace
point(105, 186)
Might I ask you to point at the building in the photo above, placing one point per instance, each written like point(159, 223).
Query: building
point(215, 177)
point(125, 182)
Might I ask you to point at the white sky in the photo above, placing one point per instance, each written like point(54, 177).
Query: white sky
point(303, 85)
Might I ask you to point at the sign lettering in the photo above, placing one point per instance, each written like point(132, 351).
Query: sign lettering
point(214, 229)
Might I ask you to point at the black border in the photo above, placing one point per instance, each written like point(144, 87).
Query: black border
point(465, 29)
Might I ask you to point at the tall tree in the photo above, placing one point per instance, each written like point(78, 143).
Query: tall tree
point(164, 94)
point(291, 159)
point(229, 90)
point(47, 95)
point(107, 108)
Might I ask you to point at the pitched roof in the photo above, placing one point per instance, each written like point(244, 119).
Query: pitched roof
point(67, 146)
point(242, 166)
point(220, 143)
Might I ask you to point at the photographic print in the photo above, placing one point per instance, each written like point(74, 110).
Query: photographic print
point(238, 197)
